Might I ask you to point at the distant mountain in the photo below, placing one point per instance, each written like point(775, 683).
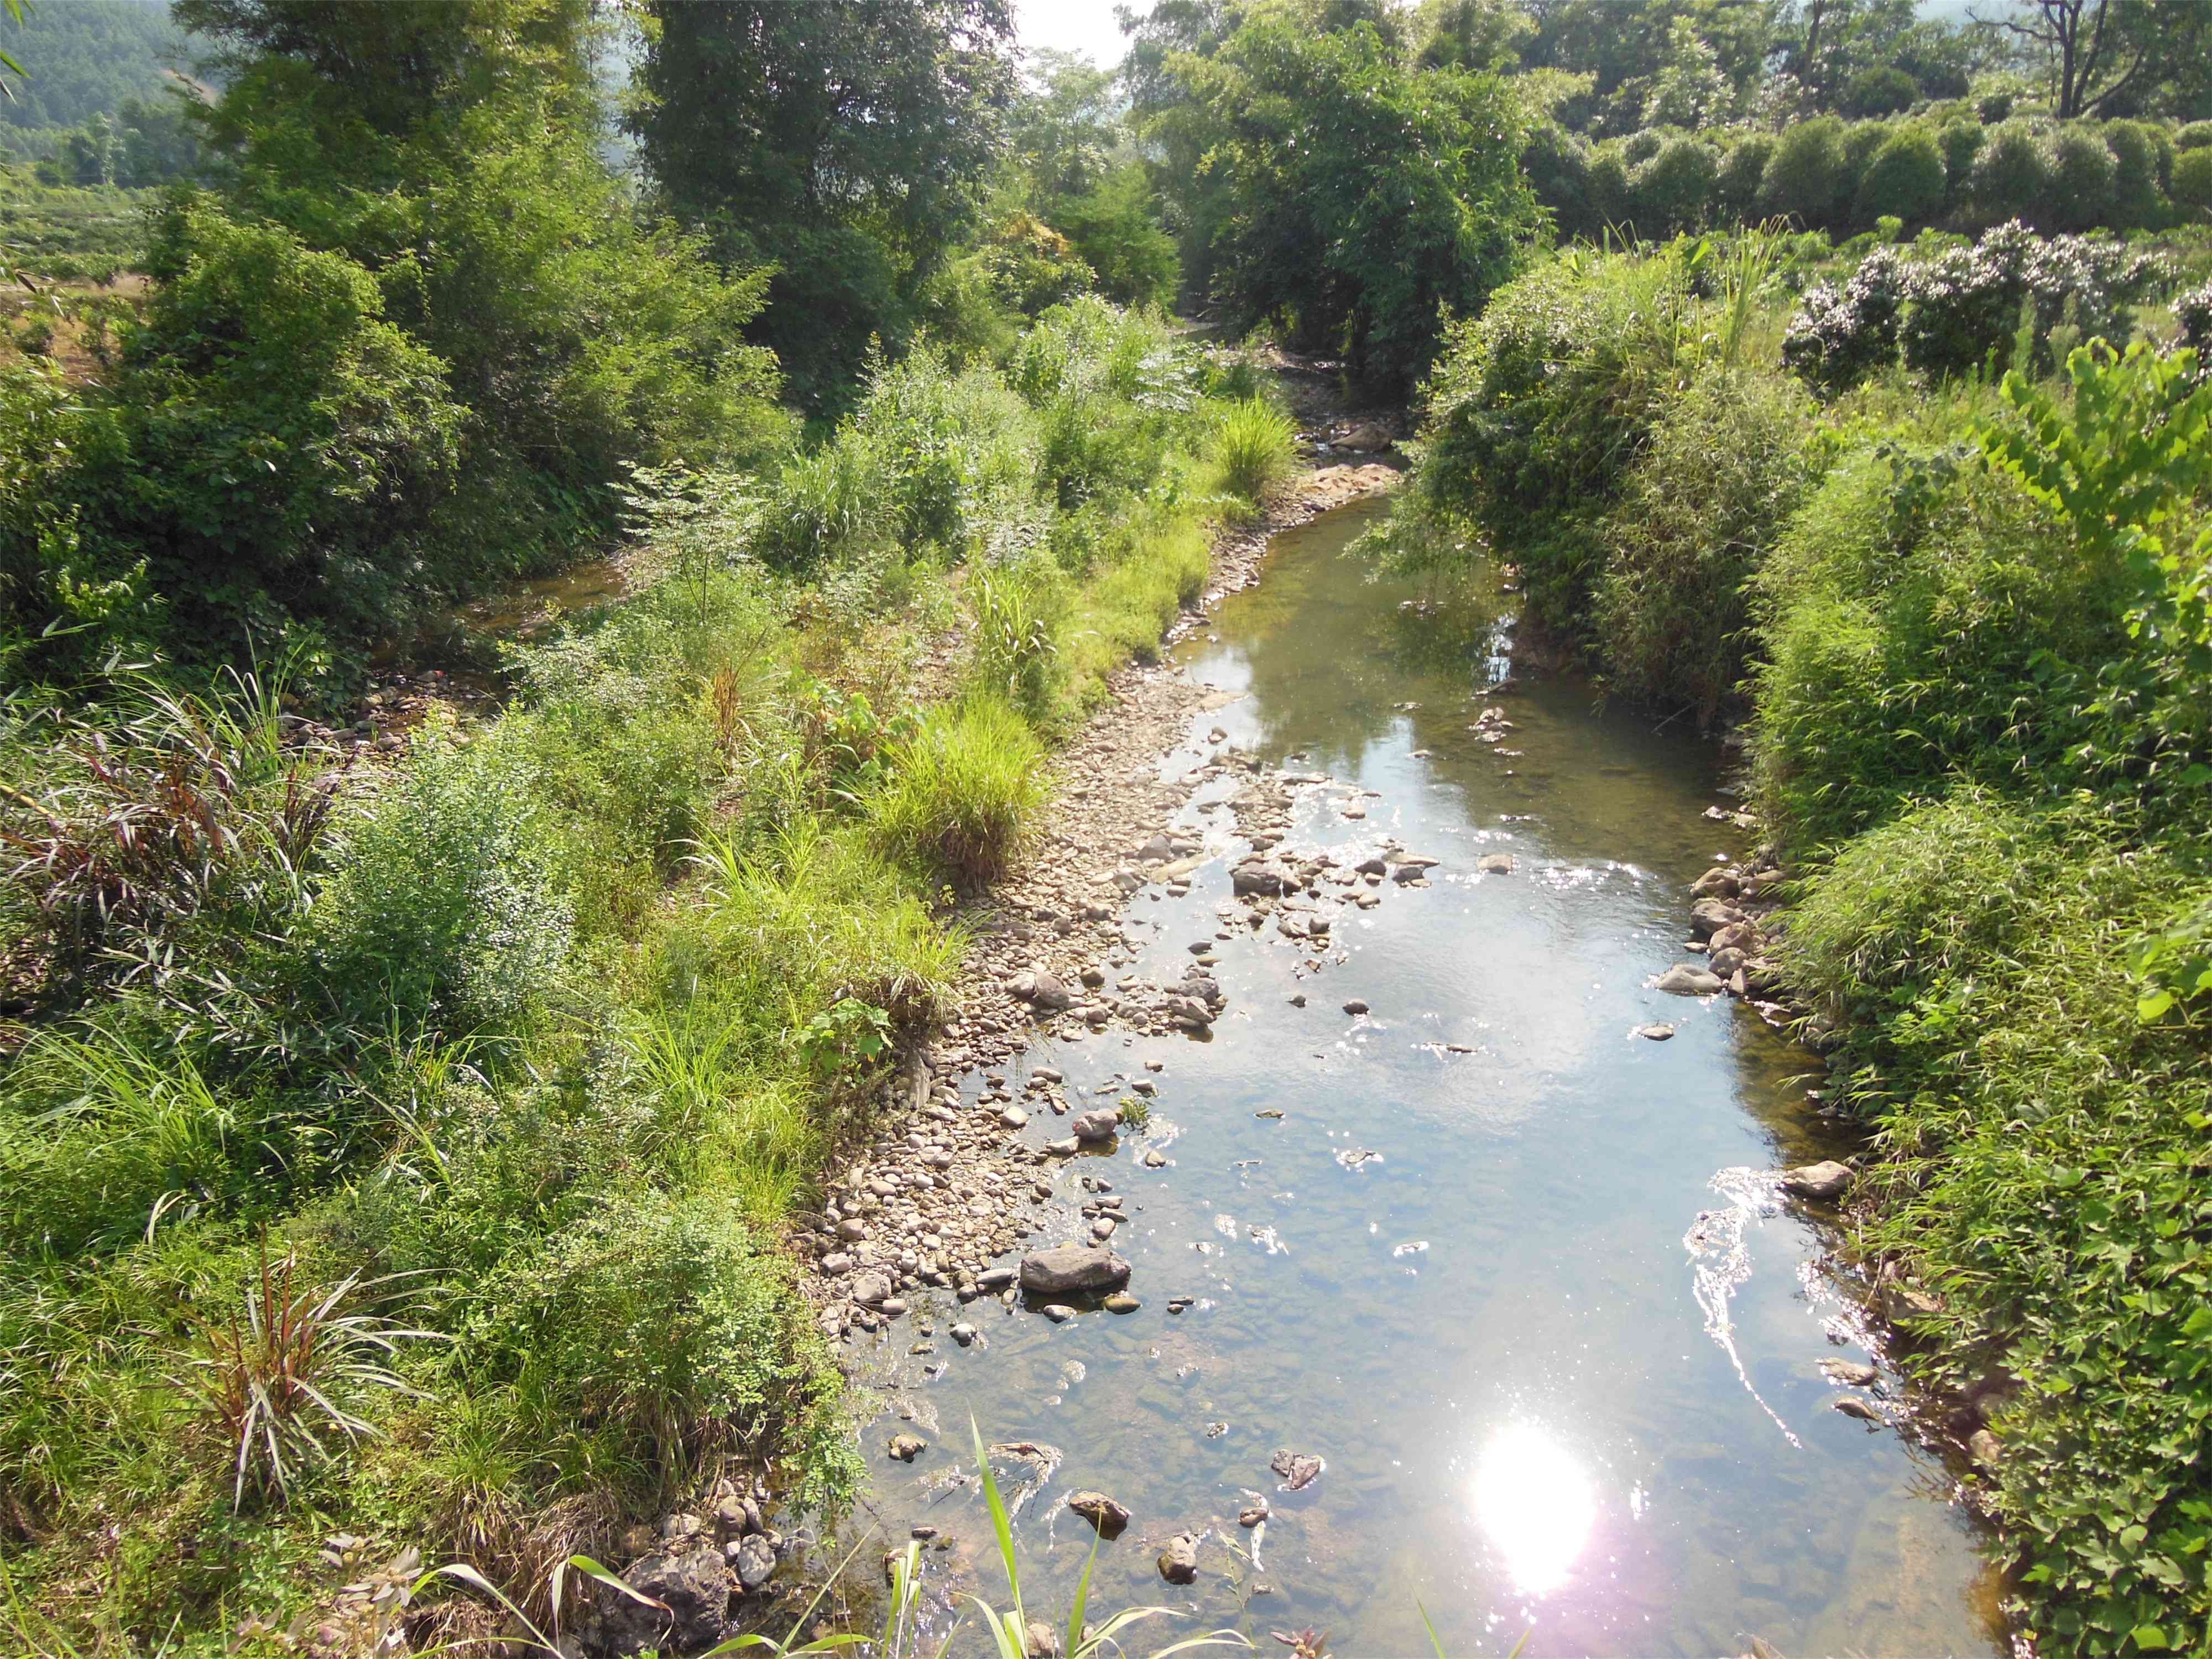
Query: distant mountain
point(84, 58)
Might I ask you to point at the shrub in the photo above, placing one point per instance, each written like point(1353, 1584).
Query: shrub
point(440, 904)
point(2142, 168)
point(1905, 178)
point(262, 360)
point(1673, 189)
point(2083, 176)
point(1014, 653)
point(1558, 164)
point(1884, 90)
point(1699, 511)
point(1966, 303)
point(655, 1324)
point(1807, 177)
point(1961, 144)
point(1742, 168)
point(2192, 179)
point(2193, 135)
point(961, 792)
point(1838, 336)
point(2012, 174)
point(1252, 451)
point(2193, 315)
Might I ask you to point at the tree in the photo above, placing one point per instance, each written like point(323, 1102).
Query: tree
point(2103, 57)
point(843, 141)
point(1358, 195)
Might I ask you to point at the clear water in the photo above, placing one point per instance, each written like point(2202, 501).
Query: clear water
point(1550, 1397)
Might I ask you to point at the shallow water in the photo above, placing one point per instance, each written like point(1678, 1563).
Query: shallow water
point(1555, 1342)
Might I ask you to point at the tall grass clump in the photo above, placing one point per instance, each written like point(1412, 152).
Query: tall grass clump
point(1252, 453)
point(962, 790)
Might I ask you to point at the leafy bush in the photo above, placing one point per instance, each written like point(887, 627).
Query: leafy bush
point(2142, 166)
point(1840, 335)
point(1743, 169)
point(2192, 179)
point(1725, 469)
point(2012, 173)
point(442, 900)
point(1673, 189)
point(1807, 178)
point(961, 792)
point(1961, 144)
point(1884, 90)
point(1905, 178)
point(2084, 174)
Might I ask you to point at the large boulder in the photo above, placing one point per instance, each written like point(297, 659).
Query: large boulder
point(1070, 1269)
point(1824, 1182)
point(1708, 917)
point(1683, 981)
point(1263, 879)
point(1040, 989)
point(1100, 1124)
point(692, 1581)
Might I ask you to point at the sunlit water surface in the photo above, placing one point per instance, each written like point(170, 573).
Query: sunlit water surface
point(1557, 1347)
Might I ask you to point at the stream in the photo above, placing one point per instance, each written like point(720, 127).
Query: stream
point(1513, 1271)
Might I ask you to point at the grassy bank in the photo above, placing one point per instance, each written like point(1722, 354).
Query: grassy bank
point(404, 1153)
point(1950, 567)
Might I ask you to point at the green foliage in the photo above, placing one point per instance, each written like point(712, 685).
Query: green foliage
point(1905, 178)
point(84, 59)
point(962, 791)
point(1253, 453)
point(2012, 173)
point(1672, 190)
point(2192, 179)
point(1354, 194)
point(1699, 512)
point(1807, 177)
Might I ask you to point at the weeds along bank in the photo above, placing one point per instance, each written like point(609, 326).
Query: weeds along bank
point(1966, 620)
point(403, 1153)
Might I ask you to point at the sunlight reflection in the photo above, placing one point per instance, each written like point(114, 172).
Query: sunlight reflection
point(1536, 1502)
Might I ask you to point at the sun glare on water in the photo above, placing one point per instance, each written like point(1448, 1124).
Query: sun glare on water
point(1536, 1502)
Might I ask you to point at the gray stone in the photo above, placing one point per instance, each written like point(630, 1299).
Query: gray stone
point(1122, 1302)
point(1683, 981)
point(1982, 1446)
point(1100, 1124)
point(1069, 1268)
point(1264, 880)
point(1853, 1405)
point(1851, 1373)
point(1298, 1469)
point(1059, 1312)
point(871, 1289)
point(1824, 1182)
point(1179, 1560)
point(1495, 864)
point(963, 1333)
point(1656, 1033)
point(1355, 1007)
point(756, 1563)
point(1709, 916)
point(907, 1447)
point(692, 1582)
point(1039, 989)
point(1719, 882)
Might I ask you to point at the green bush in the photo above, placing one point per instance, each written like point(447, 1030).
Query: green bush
point(1807, 177)
point(961, 792)
point(1905, 178)
point(2193, 135)
point(2192, 179)
point(656, 1326)
point(2083, 177)
point(1742, 170)
point(1699, 512)
point(1673, 189)
point(2012, 174)
point(2142, 166)
point(1961, 144)
point(1884, 90)
point(441, 904)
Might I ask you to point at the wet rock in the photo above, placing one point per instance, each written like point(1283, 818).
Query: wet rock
point(907, 1447)
point(1101, 1511)
point(871, 1289)
point(692, 1582)
point(1656, 1033)
point(1253, 1514)
point(1014, 1117)
point(1179, 1560)
point(1039, 989)
point(1263, 880)
point(1858, 1405)
point(1040, 1641)
point(1824, 1182)
point(1709, 916)
point(1495, 864)
point(963, 1333)
point(1982, 1446)
point(1899, 1300)
point(1066, 1269)
point(1851, 1373)
point(1727, 962)
point(1059, 1312)
point(1155, 1159)
point(754, 1562)
point(994, 1278)
point(1365, 438)
point(1719, 882)
point(1122, 1302)
point(1683, 981)
point(1100, 1124)
point(1355, 1007)
point(1298, 1469)
point(1741, 937)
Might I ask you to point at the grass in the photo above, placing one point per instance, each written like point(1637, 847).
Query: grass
point(558, 1018)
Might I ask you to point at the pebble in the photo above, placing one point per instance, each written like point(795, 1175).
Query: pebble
point(1059, 1312)
point(1355, 1007)
point(1178, 1562)
point(907, 1447)
point(1656, 1033)
point(1122, 1303)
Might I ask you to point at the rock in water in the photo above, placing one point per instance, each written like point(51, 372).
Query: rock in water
point(1096, 1126)
point(1656, 1033)
point(1852, 1405)
point(1708, 917)
point(1179, 1560)
point(1683, 981)
point(1851, 1373)
point(1298, 1469)
point(1039, 989)
point(1122, 1303)
point(907, 1447)
point(756, 1563)
point(1826, 1181)
point(1040, 1641)
point(1066, 1269)
point(1495, 864)
point(1101, 1511)
point(693, 1583)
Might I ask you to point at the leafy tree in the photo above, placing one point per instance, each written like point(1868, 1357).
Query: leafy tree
point(2112, 57)
point(82, 58)
point(843, 141)
point(1905, 178)
point(1359, 193)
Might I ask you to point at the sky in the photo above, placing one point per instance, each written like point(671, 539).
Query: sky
point(1083, 26)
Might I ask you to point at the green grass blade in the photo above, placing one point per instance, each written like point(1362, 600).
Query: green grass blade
point(1074, 1647)
point(1000, 1523)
